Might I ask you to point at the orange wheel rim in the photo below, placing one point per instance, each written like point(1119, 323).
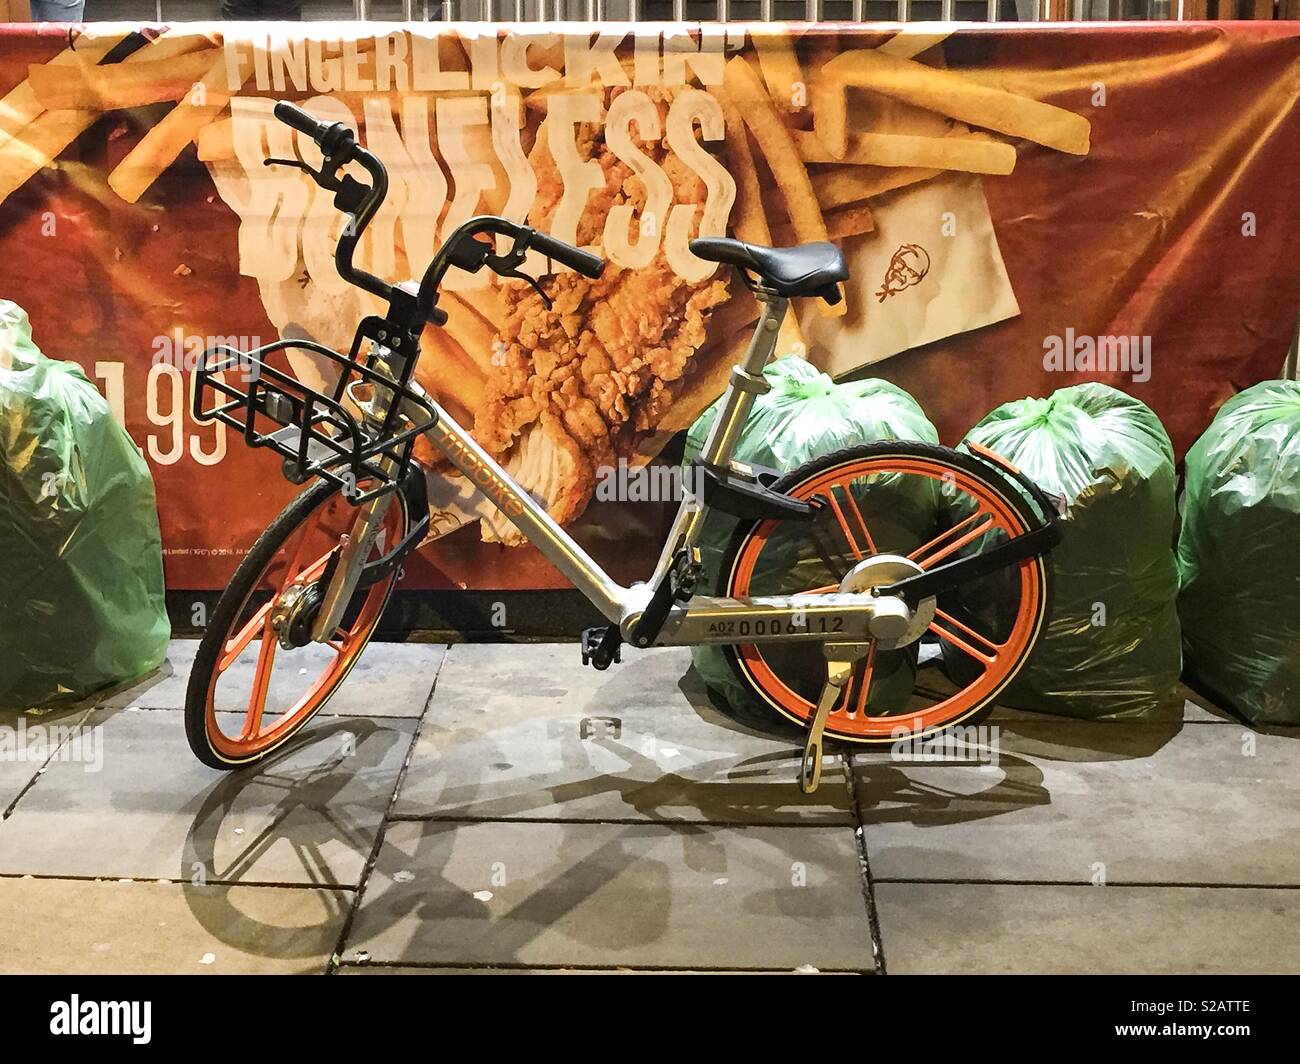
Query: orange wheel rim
point(300, 560)
point(997, 658)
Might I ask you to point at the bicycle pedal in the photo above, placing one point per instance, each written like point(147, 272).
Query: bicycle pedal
point(601, 647)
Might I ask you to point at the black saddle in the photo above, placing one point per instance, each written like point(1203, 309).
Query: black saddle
point(805, 270)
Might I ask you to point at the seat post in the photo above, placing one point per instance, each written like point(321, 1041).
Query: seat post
point(747, 382)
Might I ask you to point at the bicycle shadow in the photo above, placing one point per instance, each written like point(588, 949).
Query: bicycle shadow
point(319, 804)
point(749, 791)
point(1000, 772)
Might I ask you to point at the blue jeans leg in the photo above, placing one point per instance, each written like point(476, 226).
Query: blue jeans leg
point(57, 10)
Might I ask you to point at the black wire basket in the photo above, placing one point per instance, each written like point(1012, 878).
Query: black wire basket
point(316, 433)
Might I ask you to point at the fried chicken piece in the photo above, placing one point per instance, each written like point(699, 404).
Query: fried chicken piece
point(596, 371)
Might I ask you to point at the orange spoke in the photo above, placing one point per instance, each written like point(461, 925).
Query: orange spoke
point(925, 560)
point(844, 525)
point(988, 656)
point(235, 647)
point(862, 524)
point(861, 681)
point(261, 683)
point(290, 574)
point(825, 590)
point(922, 551)
point(315, 569)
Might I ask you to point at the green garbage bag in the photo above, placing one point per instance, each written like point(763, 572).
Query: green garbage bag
point(1110, 648)
point(81, 578)
point(1237, 555)
point(803, 416)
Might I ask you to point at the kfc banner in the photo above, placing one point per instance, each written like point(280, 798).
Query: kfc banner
point(1021, 209)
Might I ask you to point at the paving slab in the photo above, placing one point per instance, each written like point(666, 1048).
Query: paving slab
point(584, 895)
point(1082, 802)
point(407, 969)
point(97, 927)
point(999, 928)
point(526, 731)
point(28, 739)
point(148, 809)
point(389, 680)
point(1196, 707)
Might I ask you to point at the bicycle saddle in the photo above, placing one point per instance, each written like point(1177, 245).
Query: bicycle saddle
point(805, 270)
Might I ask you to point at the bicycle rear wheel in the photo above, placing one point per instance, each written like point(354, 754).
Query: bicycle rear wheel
point(247, 694)
point(925, 503)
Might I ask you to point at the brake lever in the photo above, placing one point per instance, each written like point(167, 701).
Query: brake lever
point(507, 265)
point(533, 282)
point(349, 193)
point(319, 176)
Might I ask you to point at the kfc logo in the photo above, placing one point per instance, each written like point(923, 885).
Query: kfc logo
point(908, 267)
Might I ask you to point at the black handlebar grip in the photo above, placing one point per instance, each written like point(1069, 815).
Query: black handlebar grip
point(295, 117)
point(584, 262)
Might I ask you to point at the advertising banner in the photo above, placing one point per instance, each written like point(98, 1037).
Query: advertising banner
point(1021, 208)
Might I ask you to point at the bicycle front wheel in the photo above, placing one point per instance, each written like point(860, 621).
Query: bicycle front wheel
point(920, 502)
point(247, 694)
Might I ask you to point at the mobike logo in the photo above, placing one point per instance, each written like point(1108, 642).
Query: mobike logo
point(479, 472)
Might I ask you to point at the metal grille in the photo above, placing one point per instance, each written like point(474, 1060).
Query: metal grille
point(718, 10)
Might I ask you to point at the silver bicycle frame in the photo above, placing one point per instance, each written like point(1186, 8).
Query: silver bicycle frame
point(703, 619)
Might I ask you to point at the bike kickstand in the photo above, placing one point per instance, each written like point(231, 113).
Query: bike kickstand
point(838, 670)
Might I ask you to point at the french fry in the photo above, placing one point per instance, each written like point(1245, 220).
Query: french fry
point(748, 221)
point(822, 48)
point(158, 148)
point(216, 142)
point(851, 220)
point(43, 135)
point(777, 146)
point(118, 85)
point(911, 41)
point(48, 136)
point(41, 142)
point(948, 93)
point(448, 371)
point(852, 184)
point(827, 99)
point(779, 65)
point(967, 152)
point(468, 329)
point(20, 106)
point(485, 302)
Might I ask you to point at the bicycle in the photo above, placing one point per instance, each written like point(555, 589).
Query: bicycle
point(809, 633)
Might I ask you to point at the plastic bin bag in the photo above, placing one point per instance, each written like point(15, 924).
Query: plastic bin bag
point(806, 415)
point(1110, 647)
point(81, 579)
point(1239, 555)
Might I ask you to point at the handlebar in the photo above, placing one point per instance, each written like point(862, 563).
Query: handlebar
point(584, 262)
point(295, 117)
point(339, 146)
